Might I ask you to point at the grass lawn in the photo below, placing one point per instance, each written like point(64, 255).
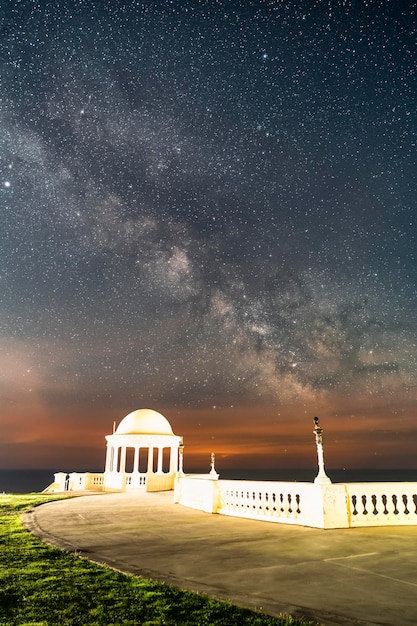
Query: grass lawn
point(42, 585)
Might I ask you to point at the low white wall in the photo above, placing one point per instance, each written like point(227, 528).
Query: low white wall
point(333, 505)
point(160, 482)
point(196, 492)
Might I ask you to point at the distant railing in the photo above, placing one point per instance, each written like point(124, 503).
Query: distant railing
point(332, 505)
point(382, 504)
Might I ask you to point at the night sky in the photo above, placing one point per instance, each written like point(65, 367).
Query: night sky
point(208, 208)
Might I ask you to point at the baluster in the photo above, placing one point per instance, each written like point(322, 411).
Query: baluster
point(365, 512)
point(267, 502)
point(297, 499)
point(289, 503)
point(415, 502)
point(281, 497)
point(274, 502)
point(375, 511)
point(384, 502)
point(354, 501)
point(260, 502)
point(405, 502)
point(394, 501)
point(253, 500)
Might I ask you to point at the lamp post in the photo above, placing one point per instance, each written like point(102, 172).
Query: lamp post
point(181, 457)
point(321, 477)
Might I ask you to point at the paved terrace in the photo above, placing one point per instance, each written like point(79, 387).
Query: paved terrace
point(346, 577)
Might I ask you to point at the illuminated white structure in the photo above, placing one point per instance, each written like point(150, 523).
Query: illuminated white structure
point(142, 453)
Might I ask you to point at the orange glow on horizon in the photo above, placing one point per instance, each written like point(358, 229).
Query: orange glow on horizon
point(376, 436)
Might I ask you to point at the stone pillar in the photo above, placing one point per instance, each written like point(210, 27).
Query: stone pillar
point(150, 460)
point(109, 455)
point(136, 460)
point(160, 456)
point(173, 462)
point(59, 479)
point(123, 460)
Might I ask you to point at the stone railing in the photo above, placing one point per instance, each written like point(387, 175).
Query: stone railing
point(88, 481)
point(306, 504)
point(94, 481)
point(135, 481)
point(76, 481)
point(382, 504)
point(333, 505)
point(281, 502)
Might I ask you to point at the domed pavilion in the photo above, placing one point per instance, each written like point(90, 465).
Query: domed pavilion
point(142, 453)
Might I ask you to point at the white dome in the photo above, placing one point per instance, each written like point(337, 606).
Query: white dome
point(144, 422)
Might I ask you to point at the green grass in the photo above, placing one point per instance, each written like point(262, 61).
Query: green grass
point(45, 586)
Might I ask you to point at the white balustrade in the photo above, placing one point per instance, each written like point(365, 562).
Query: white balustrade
point(382, 504)
point(263, 500)
point(334, 505)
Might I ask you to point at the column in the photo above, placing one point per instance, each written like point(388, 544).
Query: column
point(108, 458)
point(136, 460)
point(123, 460)
point(160, 456)
point(150, 460)
point(173, 462)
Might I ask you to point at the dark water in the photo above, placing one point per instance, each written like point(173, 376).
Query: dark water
point(308, 475)
point(25, 481)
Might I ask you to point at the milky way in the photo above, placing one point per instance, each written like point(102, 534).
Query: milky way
point(208, 204)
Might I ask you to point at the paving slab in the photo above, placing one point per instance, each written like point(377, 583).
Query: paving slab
point(349, 577)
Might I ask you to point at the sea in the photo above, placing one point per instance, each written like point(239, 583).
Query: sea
point(30, 480)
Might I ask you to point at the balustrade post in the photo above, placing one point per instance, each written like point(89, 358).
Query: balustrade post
point(321, 477)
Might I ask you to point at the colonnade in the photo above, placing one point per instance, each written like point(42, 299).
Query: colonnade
point(156, 459)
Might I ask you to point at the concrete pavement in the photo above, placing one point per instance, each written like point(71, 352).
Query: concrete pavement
point(348, 577)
